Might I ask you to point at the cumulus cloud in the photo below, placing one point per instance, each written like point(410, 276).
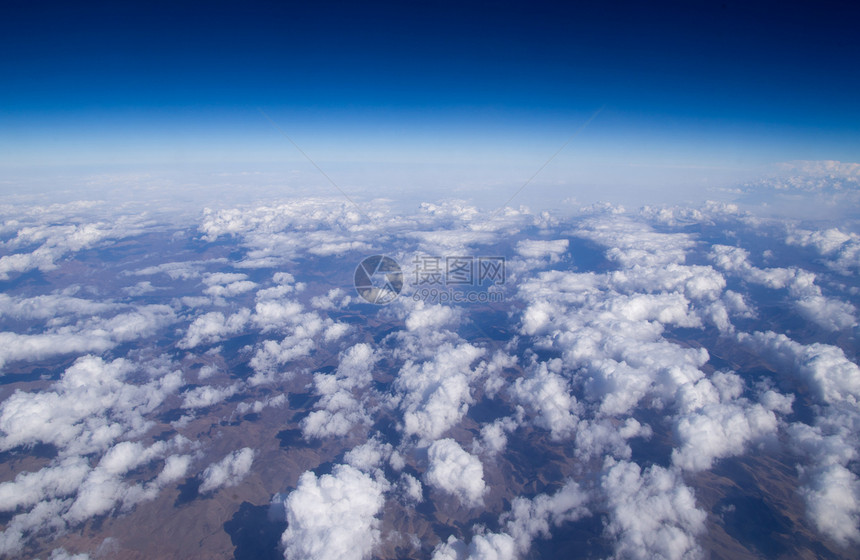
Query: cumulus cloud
point(214, 327)
point(333, 299)
point(341, 405)
point(832, 314)
point(823, 367)
point(50, 243)
point(369, 455)
point(826, 186)
point(455, 471)
point(58, 480)
point(303, 330)
point(285, 283)
point(227, 472)
point(548, 395)
point(723, 427)
point(595, 354)
point(829, 488)
point(68, 491)
point(411, 488)
point(95, 334)
point(43, 517)
point(103, 489)
point(539, 249)
point(494, 435)
point(841, 249)
point(333, 515)
point(424, 316)
point(208, 395)
point(221, 285)
point(258, 406)
point(91, 406)
point(631, 242)
point(807, 298)
point(53, 306)
point(652, 514)
point(606, 437)
point(832, 496)
point(526, 520)
point(610, 326)
point(276, 234)
point(63, 554)
point(614, 341)
point(179, 270)
point(495, 546)
point(436, 394)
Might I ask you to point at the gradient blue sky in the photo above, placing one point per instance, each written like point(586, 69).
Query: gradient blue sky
point(684, 85)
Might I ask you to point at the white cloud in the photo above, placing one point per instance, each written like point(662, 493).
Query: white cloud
point(424, 316)
point(369, 455)
point(530, 518)
point(719, 430)
point(227, 472)
point(90, 407)
point(208, 395)
point(492, 546)
point(272, 315)
point(829, 488)
point(342, 411)
point(605, 437)
point(548, 395)
point(832, 314)
point(53, 242)
point(619, 339)
point(454, 471)
point(454, 242)
point(435, 394)
point(96, 334)
point(52, 306)
point(180, 270)
point(632, 243)
point(303, 331)
point(526, 520)
point(334, 299)
point(277, 234)
point(842, 249)
point(84, 415)
point(652, 514)
point(214, 327)
point(226, 285)
point(63, 554)
point(494, 435)
point(829, 313)
point(825, 368)
point(44, 517)
point(411, 489)
point(539, 249)
point(832, 496)
point(333, 516)
point(103, 489)
point(58, 480)
point(139, 289)
point(257, 406)
point(341, 406)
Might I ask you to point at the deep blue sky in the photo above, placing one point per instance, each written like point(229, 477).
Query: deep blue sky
point(683, 83)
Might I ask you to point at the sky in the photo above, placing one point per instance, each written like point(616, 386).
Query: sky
point(672, 93)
